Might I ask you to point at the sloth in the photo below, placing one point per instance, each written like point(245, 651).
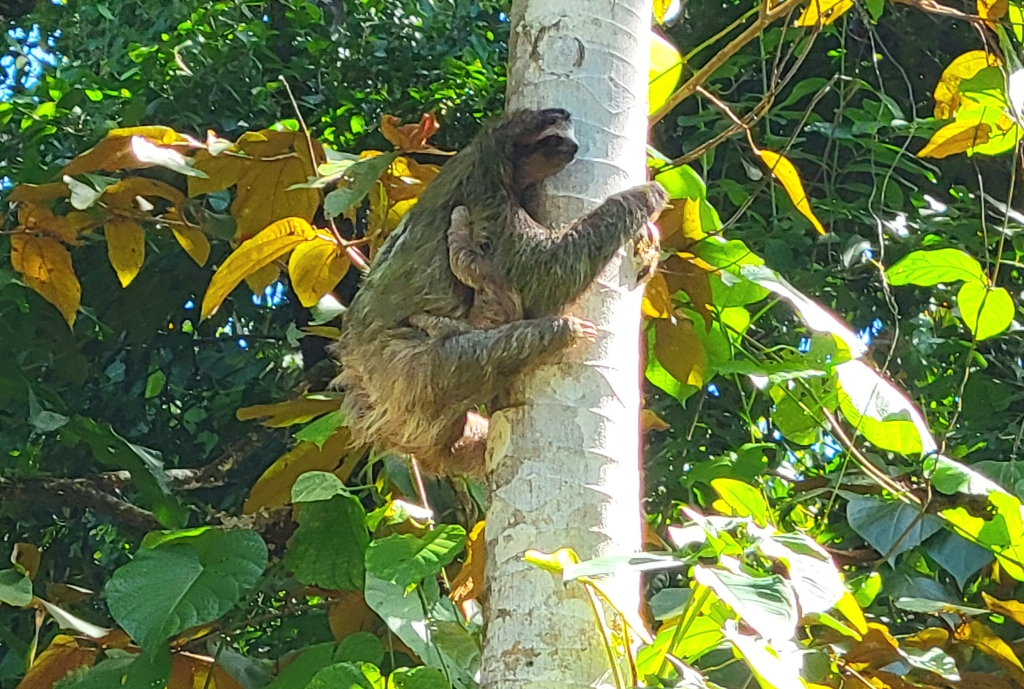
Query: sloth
point(468, 291)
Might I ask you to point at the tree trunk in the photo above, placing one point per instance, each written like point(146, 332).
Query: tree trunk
point(564, 467)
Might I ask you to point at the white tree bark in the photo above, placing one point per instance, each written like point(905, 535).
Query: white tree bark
point(564, 467)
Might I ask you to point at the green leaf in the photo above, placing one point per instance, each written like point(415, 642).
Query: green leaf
point(817, 583)
point(299, 671)
point(155, 384)
point(950, 477)
point(682, 182)
point(340, 676)
point(329, 547)
point(765, 603)
point(359, 178)
point(144, 465)
point(890, 528)
point(420, 678)
point(360, 647)
point(958, 556)
point(168, 589)
point(986, 88)
point(323, 428)
point(316, 486)
point(406, 559)
point(146, 670)
point(665, 69)
point(881, 412)
point(612, 564)
point(929, 268)
point(15, 588)
point(987, 312)
point(1003, 533)
point(743, 499)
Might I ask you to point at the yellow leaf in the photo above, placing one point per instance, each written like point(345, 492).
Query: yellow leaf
point(126, 248)
point(650, 421)
point(122, 194)
point(790, 179)
point(1011, 608)
point(680, 351)
point(661, 9)
point(61, 657)
point(326, 331)
point(468, 584)
point(37, 193)
point(657, 300)
point(947, 91)
point(315, 267)
point(194, 242)
point(850, 609)
point(665, 70)
point(115, 151)
point(276, 161)
point(252, 255)
point(259, 280)
point(691, 225)
point(992, 10)
point(66, 228)
point(45, 266)
point(289, 413)
point(274, 487)
point(822, 12)
point(26, 556)
point(684, 272)
point(956, 137)
point(977, 634)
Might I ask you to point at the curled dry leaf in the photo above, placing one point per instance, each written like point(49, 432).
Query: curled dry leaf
point(468, 584)
point(316, 267)
point(126, 248)
point(253, 255)
point(410, 137)
point(45, 266)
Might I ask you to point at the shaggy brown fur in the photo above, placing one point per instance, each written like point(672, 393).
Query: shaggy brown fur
point(415, 358)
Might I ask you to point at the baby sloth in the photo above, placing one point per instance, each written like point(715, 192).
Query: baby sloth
point(437, 331)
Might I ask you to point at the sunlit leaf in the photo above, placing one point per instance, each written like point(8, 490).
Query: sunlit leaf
point(45, 266)
point(954, 138)
point(410, 137)
point(986, 311)
point(823, 12)
point(657, 302)
point(981, 637)
point(773, 670)
point(665, 69)
point(661, 9)
point(766, 603)
point(274, 487)
point(741, 500)
point(289, 413)
point(930, 268)
point(992, 10)
point(359, 178)
point(115, 151)
point(253, 254)
point(947, 91)
point(126, 248)
point(406, 559)
point(1002, 533)
point(316, 267)
point(787, 175)
point(82, 195)
point(272, 163)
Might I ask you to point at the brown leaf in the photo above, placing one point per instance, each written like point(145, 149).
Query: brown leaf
point(650, 421)
point(26, 556)
point(274, 487)
point(687, 276)
point(37, 193)
point(409, 137)
point(115, 151)
point(61, 657)
point(45, 266)
point(350, 614)
point(272, 162)
point(126, 248)
point(66, 228)
point(680, 351)
point(316, 267)
point(468, 584)
point(190, 671)
point(262, 278)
